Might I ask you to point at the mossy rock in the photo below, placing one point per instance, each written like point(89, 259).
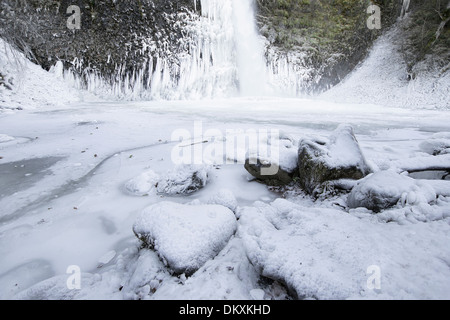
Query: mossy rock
point(322, 161)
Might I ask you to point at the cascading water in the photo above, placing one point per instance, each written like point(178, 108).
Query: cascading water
point(405, 7)
point(252, 73)
point(223, 56)
point(226, 53)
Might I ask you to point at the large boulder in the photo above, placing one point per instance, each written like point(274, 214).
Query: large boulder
point(339, 157)
point(274, 169)
point(185, 236)
point(385, 189)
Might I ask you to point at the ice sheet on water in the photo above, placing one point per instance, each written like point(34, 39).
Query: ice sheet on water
point(20, 175)
point(438, 162)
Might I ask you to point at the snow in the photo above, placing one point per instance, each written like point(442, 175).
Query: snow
point(185, 236)
point(382, 80)
point(106, 258)
point(257, 294)
point(441, 187)
point(143, 184)
point(183, 179)
point(344, 150)
point(24, 78)
point(439, 143)
point(441, 162)
point(326, 253)
point(288, 156)
point(5, 138)
point(224, 197)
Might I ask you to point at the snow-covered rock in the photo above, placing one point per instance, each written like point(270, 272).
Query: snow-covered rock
point(184, 179)
point(384, 189)
point(143, 184)
point(273, 169)
point(224, 197)
point(185, 236)
point(338, 158)
point(438, 144)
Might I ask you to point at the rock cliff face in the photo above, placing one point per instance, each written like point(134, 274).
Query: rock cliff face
point(318, 42)
point(115, 37)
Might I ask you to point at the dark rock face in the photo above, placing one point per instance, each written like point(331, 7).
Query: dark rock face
point(112, 37)
point(338, 158)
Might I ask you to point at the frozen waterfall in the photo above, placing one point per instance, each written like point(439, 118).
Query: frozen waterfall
point(221, 55)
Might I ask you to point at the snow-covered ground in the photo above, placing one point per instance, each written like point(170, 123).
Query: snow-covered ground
point(78, 175)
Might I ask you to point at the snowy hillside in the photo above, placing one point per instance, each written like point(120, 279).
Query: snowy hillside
point(27, 85)
point(382, 79)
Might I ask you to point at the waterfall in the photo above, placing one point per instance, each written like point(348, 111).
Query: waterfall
point(229, 56)
point(252, 73)
point(405, 8)
point(221, 55)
